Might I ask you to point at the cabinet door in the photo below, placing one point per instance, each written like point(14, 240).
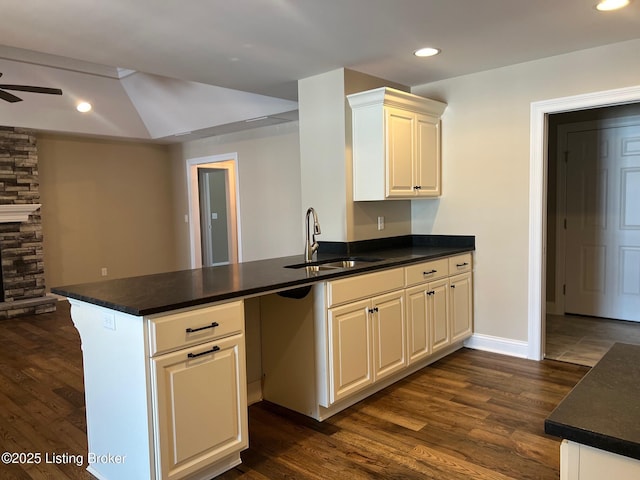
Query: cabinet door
point(438, 312)
point(200, 410)
point(427, 156)
point(418, 328)
point(461, 307)
point(399, 136)
point(389, 340)
point(349, 349)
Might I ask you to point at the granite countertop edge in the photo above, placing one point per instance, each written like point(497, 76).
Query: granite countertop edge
point(163, 292)
point(602, 410)
point(593, 439)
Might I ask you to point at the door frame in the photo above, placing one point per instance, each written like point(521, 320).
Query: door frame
point(538, 197)
point(228, 161)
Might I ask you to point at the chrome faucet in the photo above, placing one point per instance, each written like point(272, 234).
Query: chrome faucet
point(311, 246)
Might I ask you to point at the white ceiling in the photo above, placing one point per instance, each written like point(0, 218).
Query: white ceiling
point(265, 46)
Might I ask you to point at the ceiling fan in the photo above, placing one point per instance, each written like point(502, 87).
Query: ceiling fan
point(10, 97)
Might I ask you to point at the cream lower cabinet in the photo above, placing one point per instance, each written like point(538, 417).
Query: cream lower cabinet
point(367, 343)
point(439, 306)
point(428, 319)
point(352, 336)
point(582, 462)
point(460, 306)
point(199, 392)
point(165, 394)
point(199, 408)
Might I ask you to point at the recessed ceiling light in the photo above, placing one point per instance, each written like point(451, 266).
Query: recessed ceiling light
point(608, 5)
point(83, 107)
point(426, 52)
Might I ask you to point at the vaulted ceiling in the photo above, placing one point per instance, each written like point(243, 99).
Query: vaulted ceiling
point(208, 63)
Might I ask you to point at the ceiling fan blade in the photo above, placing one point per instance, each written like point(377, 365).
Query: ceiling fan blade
point(9, 97)
point(29, 88)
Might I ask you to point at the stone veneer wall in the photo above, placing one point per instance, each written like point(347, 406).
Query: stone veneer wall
point(21, 245)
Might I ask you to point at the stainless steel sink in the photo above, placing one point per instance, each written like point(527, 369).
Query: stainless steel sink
point(334, 263)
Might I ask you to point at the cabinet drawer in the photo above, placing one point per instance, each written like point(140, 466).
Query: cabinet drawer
point(362, 286)
point(460, 264)
point(426, 272)
point(178, 330)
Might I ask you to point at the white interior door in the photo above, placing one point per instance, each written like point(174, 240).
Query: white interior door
point(603, 223)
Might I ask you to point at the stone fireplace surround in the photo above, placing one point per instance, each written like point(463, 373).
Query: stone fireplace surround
point(21, 244)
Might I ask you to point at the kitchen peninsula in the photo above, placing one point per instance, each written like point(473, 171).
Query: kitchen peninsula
point(599, 421)
point(164, 355)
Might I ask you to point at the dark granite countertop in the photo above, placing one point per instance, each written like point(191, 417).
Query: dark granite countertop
point(603, 409)
point(149, 294)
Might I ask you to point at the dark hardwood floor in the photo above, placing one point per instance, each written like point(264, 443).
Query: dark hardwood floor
point(472, 415)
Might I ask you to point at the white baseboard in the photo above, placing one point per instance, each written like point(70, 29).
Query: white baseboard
point(505, 346)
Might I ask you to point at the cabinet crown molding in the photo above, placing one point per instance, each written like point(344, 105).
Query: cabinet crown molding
point(396, 98)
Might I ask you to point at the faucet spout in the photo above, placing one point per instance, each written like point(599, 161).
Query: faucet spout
point(311, 245)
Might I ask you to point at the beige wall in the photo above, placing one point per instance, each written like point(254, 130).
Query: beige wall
point(104, 204)
point(486, 153)
point(271, 224)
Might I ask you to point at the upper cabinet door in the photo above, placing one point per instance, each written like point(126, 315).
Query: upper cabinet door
point(400, 162)
point(427, 157)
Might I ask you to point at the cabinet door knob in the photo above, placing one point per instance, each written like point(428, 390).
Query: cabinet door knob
point(213, 324)
point(453, 286)
point(194, 355)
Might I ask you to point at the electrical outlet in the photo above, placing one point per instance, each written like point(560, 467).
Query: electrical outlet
point(380, 223)
point(103, 271)
point(109, 321)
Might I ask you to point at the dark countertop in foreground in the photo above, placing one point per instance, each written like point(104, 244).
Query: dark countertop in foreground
point(149, 294)
point(603, 409)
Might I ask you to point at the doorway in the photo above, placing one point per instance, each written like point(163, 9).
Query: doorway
point(593, 232)
point(214, 210)
point(540, 112)
point(213, 192)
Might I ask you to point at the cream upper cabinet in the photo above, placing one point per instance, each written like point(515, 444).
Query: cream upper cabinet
point(396, 145)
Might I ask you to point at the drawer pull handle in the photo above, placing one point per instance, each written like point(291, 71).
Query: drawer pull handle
point(462, 264)
point(430, 272)
point(194, 355)
point(191, 330)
